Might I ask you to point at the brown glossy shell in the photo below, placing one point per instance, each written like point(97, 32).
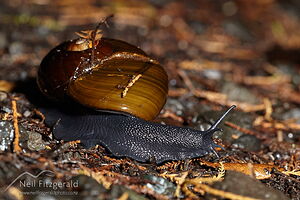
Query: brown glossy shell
point(102, 86)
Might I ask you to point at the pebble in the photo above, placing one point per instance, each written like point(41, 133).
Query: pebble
point(236, 92)
point(212, 74)
point(6, 135)
point(27, 113)
point(161, 185)
point(247, 142)
point(175, 106)
point(292, 113)
point(16, 48)
point(35, 142)
point(244, 185)
point(3, 96)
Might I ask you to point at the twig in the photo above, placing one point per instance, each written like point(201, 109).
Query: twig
point(170, 114)
point(180, 181)
point(17, 148)
point(269, 109)
point(94, 33)
point(186, 80)
point(131, 82)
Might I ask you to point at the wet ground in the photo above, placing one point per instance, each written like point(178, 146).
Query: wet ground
point(216, 54)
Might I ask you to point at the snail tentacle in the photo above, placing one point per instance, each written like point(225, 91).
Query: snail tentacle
point(221, 118)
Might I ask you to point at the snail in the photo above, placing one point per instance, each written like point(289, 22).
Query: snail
point(111, 90)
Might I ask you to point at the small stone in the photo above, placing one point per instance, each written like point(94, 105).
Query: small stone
point(212, 74)
point(27, 113)
point(244, 185)
point(236, 92)
point(3, 96)
point(16, 48)
point(247, 142)
point(6, 135)
point(292, 114)
point(35, 142)
point(160, 185)
point(175, 106)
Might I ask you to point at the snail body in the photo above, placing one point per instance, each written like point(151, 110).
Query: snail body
point(121, 79)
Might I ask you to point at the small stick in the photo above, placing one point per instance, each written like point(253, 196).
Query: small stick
point(186, 80)
point(94, 33)
point(130, 84)
point(40, 114)
point(172, 115)
point(17, 148)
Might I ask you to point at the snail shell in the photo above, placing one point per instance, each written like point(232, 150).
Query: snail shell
point(121, 77)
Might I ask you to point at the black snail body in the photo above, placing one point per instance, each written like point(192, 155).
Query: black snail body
point(74, 73)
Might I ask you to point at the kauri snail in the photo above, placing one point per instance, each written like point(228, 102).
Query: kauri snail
point(112, 75)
